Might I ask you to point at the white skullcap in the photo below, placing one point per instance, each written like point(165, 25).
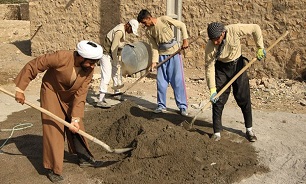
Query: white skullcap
point(89, 49)
point(134, 23)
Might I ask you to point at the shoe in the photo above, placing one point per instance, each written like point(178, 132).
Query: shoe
point(54, 178)
point(251, 136)
point(103, 104)
point(184, 112)
point(159, 110)
point(216, 137)
point(90, 163)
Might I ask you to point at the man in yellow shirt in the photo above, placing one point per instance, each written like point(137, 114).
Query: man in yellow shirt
point(223, 60)
point(163, 43)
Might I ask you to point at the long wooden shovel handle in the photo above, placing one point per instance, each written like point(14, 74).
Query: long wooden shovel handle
point(105, 146)
point(236, 76)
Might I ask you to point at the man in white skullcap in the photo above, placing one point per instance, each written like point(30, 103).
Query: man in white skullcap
point(63, 92)
point(112, 45)
point(223, 61)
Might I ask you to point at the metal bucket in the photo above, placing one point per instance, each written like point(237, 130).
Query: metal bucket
point(135, 57)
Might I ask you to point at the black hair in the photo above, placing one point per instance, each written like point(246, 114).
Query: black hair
point(91, 60)
point(143, 14)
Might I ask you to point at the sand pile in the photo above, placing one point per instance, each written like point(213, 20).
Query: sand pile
point(165, 152)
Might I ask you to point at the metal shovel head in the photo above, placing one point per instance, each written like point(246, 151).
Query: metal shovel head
point(121, 150)
point(117, 94)
point(188, 126)
point(118, 87)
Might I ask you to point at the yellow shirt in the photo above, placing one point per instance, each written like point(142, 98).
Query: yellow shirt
point(162, 32)
point(232, 48)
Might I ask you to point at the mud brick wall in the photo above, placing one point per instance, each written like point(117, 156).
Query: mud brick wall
point(14, 11)
point(60, 24)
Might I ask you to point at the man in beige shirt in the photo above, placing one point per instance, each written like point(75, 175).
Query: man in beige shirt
point(163, 43)
point(223, 60)
point(109, 63)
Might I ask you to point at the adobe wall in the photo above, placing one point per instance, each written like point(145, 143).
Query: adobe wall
point(14, 11)
point(58, 24)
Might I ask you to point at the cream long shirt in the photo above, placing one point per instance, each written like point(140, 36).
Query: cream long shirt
point(117, 37)
point(232, 48)
point(162, 32)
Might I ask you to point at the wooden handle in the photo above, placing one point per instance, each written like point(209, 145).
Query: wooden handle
point(105, 146)
point(247, 66)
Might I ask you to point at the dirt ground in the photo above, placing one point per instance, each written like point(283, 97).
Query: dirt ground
point(163, 151)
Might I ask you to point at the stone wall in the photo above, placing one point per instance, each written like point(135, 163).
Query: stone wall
point(14, 11)
point(60, 24)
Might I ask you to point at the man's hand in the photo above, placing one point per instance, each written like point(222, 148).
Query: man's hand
point(153, 66)
point(261, 53)
point(185, 44)
point(213, 93)
point(19, 97)
point(75, 124)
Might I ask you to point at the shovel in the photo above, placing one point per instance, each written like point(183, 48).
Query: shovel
point(189, 126)
point(105, 146)
point(160, 63)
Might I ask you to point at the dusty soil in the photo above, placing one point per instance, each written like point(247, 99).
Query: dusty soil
point(163, 151)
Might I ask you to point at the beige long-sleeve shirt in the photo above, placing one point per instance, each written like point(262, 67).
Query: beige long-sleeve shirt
point(232, 48)
point(162, 32)
point(116, 38)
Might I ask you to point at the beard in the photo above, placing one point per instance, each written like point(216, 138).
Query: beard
point(84, 68)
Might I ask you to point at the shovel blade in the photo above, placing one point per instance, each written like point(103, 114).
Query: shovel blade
point(117, 94)
point(121, 150)
point(118, 87)
point(188, 126)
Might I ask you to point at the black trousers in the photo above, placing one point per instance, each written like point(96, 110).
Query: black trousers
point(224, 72)
point(79, 145)
point(81, 150)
